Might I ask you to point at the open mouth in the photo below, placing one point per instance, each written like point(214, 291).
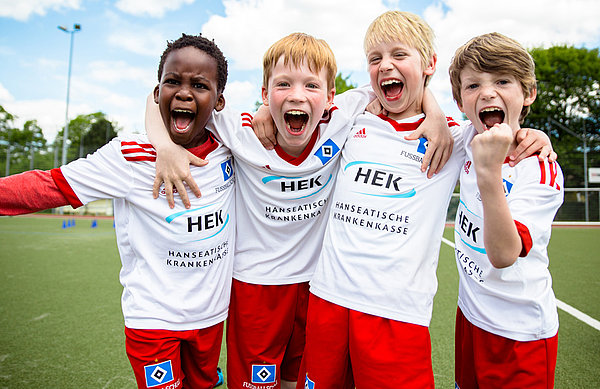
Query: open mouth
point(392, 89)
point(182, 120)
point(491, 116)
point(295, 121)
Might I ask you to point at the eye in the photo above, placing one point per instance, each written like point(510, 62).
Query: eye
point(200, 85)
point(399, 55)
point(312, 85)
point(503, 82)
point(373, 60)
point(471, 86)
point(171, 81)
point(282, 84)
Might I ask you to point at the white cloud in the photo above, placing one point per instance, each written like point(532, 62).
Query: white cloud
point(264, 22)
point(531, 22)
point(152, 8)
point(5, 95)
point(241, 95)
point(22, 9)
point(120, 71)
point(143, 41)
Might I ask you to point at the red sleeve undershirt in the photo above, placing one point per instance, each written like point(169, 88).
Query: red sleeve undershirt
point(34, 191)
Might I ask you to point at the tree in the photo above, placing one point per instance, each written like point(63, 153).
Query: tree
point(87, 133)
point(342, 84)
point(568, 97)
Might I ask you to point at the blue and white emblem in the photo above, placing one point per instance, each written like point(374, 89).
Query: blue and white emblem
point(263, 374)
point(308, 384)
point(227, 169)
point(327, 151)
point(422, 147)
point(158, 374)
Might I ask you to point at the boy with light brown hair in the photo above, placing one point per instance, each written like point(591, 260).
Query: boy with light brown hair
point(506, 322)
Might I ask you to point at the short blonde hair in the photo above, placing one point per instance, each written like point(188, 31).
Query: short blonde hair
point(297, 48)
point(494, 53)
point(392, 26)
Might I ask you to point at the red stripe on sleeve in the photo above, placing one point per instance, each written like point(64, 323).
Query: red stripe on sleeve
point(526, 241)
point(65, 188)
point(543, 171)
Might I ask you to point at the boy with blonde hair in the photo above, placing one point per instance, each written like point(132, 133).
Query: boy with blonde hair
point(373, 288)
point(506, 322)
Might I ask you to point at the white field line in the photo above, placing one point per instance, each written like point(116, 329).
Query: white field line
point(560, 304)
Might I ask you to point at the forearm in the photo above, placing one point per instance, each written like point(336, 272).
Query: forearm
point(29, 192)
point(501, 239)
point(155, 128)
point(431, 108)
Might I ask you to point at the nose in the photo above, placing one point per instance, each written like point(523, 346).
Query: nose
point(488, 92)
point(184, 94)
point(385, 64)
point(297, 94)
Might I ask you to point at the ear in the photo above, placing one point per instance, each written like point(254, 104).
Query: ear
point(330, 96)
point(265, 96)
point(220, 104)
point(156, 92)
point(430, 68)
point(531, 98)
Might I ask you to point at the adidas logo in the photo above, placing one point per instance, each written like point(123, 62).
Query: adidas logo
point(361, 134)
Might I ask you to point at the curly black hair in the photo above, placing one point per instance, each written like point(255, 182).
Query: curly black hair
point(201, 43)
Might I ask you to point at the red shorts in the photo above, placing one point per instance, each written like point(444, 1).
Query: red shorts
point(265, 334)
point(347, 348)
point(486, 360)
point(163, 359)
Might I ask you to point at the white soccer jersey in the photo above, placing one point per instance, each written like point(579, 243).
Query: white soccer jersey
point(516, 302)
point(282, 202)
point(384, 231)
point(177, 263)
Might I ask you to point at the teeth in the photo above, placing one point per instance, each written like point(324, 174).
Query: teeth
point(491, 109)
point(182, 110)
point(390, 82)
point(295, 113)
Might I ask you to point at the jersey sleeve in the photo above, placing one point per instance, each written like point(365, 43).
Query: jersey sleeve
point(105, 174)
point(31, 191)
point(354, 101)
point(534, 198)
point(227, 123)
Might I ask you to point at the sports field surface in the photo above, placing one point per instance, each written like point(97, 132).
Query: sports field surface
point(61, 324)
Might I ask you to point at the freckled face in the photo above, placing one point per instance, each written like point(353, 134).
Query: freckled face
point(187, 95)
point(297, 98)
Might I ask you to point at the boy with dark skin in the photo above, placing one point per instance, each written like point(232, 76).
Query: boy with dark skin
point(176, 263)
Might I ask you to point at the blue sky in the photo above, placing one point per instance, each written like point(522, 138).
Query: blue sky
point(116, 53)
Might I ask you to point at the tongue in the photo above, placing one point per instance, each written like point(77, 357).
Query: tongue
point(296, 122)
point(492, 118)
point(181, 122)
point(393, 90)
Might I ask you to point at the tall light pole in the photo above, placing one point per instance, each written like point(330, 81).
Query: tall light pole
point(76, 27)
